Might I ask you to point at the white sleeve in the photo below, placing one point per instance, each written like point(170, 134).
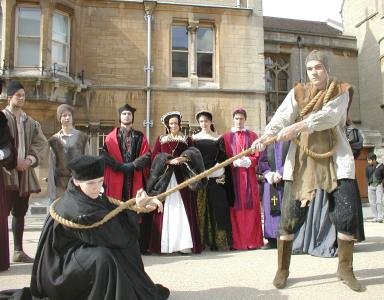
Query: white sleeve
point(330, 115)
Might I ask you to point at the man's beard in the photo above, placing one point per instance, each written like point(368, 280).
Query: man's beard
point(126, 123)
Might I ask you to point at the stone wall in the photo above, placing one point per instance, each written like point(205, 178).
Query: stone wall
point(364, 19)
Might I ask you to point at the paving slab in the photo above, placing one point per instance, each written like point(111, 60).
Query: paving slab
point(242, 274)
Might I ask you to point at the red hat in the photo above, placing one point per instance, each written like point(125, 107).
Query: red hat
point(239, 110)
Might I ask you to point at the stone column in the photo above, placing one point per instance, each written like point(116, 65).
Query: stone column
point(193, 26)
point(7, 7)
point(381, 47)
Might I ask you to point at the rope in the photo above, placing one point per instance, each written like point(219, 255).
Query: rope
point(305, 110)
point(131, 203)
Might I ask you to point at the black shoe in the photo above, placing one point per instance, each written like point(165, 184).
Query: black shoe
point(162, 291)
point(268, 247)
point(145, 252)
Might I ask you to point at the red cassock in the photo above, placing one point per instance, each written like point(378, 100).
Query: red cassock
point(114, 180)
point(245, 214)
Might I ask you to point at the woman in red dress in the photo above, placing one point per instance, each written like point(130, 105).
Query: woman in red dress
point(173, 161)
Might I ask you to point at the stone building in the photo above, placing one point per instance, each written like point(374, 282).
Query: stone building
point(156, 55)
point(365, 21)
point(185, 55)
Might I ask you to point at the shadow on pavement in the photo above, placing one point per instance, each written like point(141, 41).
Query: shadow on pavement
point(227, 293)
point(156, 259)
point(369, 277)
point(371, 244)
point(366, 277)
point(17, 269)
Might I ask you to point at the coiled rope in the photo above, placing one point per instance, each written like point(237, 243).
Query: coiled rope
point(309, 108)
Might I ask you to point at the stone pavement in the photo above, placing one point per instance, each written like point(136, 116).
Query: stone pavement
point(243, 274)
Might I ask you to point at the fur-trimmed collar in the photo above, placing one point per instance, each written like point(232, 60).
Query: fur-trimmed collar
point(168, 138)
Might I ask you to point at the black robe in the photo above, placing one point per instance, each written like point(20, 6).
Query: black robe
point(100, 263)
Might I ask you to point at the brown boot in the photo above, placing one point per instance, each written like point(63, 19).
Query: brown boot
point(284, 251)
point(345, 268)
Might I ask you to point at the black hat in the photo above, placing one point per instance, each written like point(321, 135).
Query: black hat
point(129, 108)
point(172, 114)
point(87, 167)
point(13, 87)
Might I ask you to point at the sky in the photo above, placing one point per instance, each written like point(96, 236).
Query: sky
point(313, 10)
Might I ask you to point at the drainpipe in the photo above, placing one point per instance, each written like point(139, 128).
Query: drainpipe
point(149, 7)
point(300, 46)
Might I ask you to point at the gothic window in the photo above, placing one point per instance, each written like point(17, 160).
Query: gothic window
point(276, 81)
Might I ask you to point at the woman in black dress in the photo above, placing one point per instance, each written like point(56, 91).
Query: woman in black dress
point(215, 200)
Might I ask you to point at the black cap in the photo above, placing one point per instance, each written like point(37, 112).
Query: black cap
point(13, 87)
point(127, 107)
point(87, 167)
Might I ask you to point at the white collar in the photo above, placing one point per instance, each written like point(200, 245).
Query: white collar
point(205, 136)
point(234, 129)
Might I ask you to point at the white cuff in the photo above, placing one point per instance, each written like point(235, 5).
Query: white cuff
point(269, 177)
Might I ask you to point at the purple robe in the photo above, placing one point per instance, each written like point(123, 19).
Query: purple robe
point(266, 165)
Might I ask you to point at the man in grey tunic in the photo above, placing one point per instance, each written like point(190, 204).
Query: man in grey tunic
point(65, 145)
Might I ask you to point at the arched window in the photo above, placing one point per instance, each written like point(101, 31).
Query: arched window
point(276, 80)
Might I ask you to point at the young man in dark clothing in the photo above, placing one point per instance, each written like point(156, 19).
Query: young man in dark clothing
point(374, 174)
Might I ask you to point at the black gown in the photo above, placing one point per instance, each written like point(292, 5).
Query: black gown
point(101, 263)
point(215, 200)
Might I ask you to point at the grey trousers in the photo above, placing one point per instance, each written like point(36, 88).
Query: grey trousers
point(375, 197)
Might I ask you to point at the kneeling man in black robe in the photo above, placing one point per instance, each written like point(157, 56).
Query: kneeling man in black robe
point(99, 263)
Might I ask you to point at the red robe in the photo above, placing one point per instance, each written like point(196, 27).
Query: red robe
point(189, 199)
point(245, 214)
point(114, 180)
